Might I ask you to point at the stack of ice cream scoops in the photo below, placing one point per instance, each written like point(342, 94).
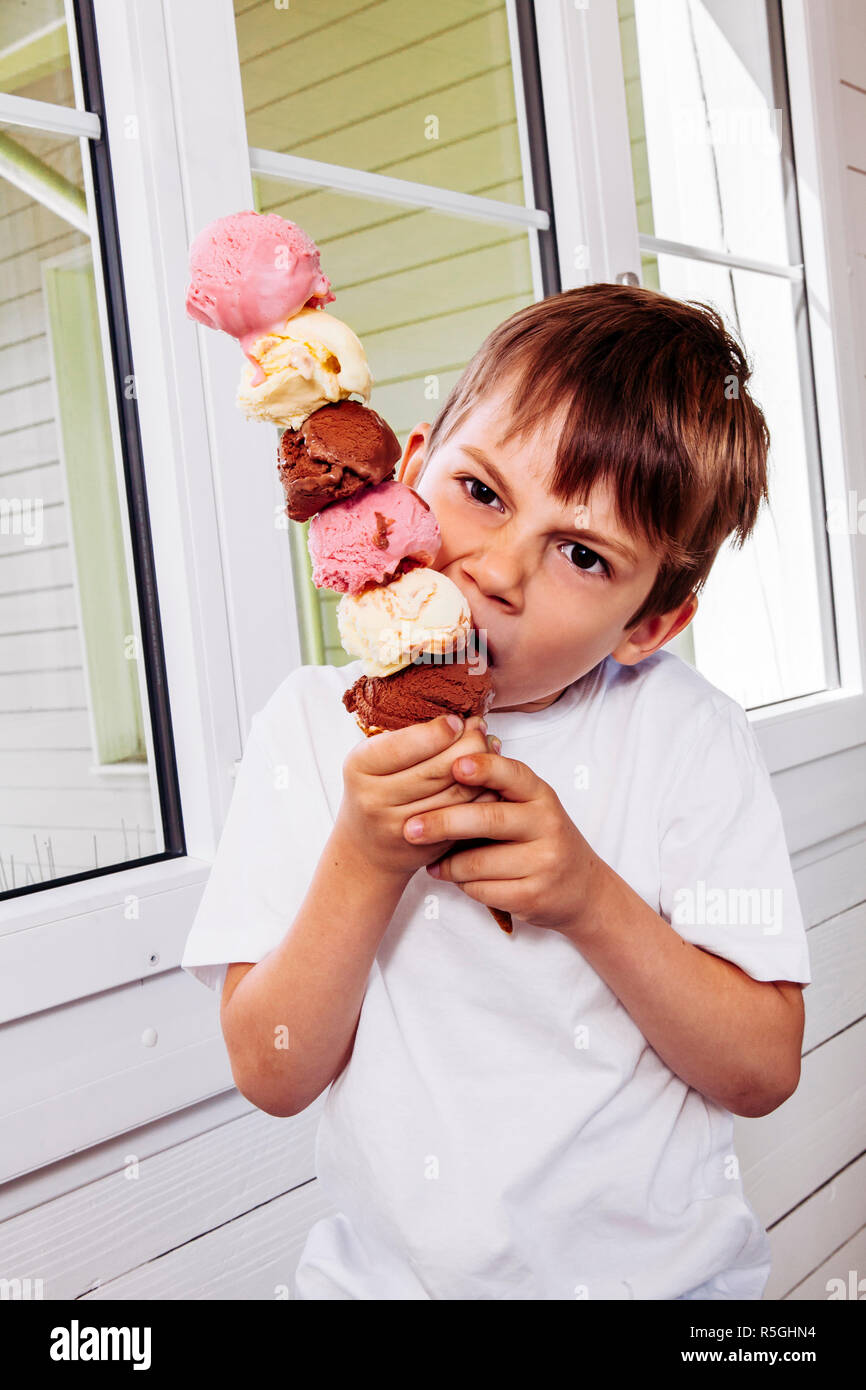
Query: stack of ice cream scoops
point(372, 539)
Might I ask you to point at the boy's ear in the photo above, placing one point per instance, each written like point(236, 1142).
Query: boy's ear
point(652, 634)
point(412, 462)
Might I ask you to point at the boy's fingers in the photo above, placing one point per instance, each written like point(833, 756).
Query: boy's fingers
point(512, 779)
point(433, 775)
point(438, 769)
point(454, 795)
point(395, 750)
point(470, 821)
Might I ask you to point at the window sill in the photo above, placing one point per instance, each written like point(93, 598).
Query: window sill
point(81, 938)
point(811, 727)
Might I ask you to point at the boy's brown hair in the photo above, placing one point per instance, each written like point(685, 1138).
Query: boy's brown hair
point(654, 396)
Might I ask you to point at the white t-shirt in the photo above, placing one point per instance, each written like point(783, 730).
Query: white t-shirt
point(503, 1130)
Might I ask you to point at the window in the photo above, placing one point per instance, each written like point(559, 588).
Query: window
point(86, 780)
point(409, 146)
point(716, 199)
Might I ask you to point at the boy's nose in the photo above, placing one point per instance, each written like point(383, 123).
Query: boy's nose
point(499, 573)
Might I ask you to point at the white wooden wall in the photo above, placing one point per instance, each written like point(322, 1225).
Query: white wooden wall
point(215, 1200)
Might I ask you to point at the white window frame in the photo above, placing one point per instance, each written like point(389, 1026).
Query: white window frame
point(595, 214)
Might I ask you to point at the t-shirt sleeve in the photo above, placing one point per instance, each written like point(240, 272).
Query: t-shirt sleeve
point(274, 832)
point(726, 882)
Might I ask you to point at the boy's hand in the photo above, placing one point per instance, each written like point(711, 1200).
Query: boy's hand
point(400, 773)
point(542, 873)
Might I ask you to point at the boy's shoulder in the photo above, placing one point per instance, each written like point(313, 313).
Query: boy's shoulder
point(313, 682)
point(310, 700)
point(676, 722)
point(672, 688)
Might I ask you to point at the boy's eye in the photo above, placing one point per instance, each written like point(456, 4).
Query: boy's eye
point(584, 558)
point(477, 483)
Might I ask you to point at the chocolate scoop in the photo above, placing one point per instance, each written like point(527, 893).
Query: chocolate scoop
point(419, 692)
point(338, 449)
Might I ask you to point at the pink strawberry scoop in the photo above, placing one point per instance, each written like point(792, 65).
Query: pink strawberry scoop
point(251, 271)
point(363, 541)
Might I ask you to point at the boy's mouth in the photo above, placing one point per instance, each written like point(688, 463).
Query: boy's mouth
point(484, 645)
point(481, 643)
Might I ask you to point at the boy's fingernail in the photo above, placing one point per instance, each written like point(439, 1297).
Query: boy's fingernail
point(482, 726)
point(455, 722)
point(494, 743)
point(414, 828)
point(433, 870)
point(465, 766)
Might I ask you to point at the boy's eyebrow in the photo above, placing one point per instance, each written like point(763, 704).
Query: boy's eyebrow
point(480, 457)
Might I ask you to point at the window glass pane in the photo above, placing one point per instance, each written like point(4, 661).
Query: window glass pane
point(402, 87)
point(703, 87)
point(705, 127)
point(34, 51)
point(77, 790)
point(421, 290)
point(757, 631)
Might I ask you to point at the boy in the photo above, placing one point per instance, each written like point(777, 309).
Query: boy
point(546, 1115)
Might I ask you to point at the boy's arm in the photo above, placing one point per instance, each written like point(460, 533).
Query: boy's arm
point(289, 1020)
point(736, 1039)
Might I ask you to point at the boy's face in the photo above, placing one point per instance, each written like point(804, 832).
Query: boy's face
point(552, 601)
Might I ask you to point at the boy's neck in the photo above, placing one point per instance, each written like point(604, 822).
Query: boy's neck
point(532, 707)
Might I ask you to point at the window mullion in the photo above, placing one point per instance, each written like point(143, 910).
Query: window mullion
point(167, 382)
point(214, 167)
point(44, 115)
point(729, 258)
point(588, 139)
